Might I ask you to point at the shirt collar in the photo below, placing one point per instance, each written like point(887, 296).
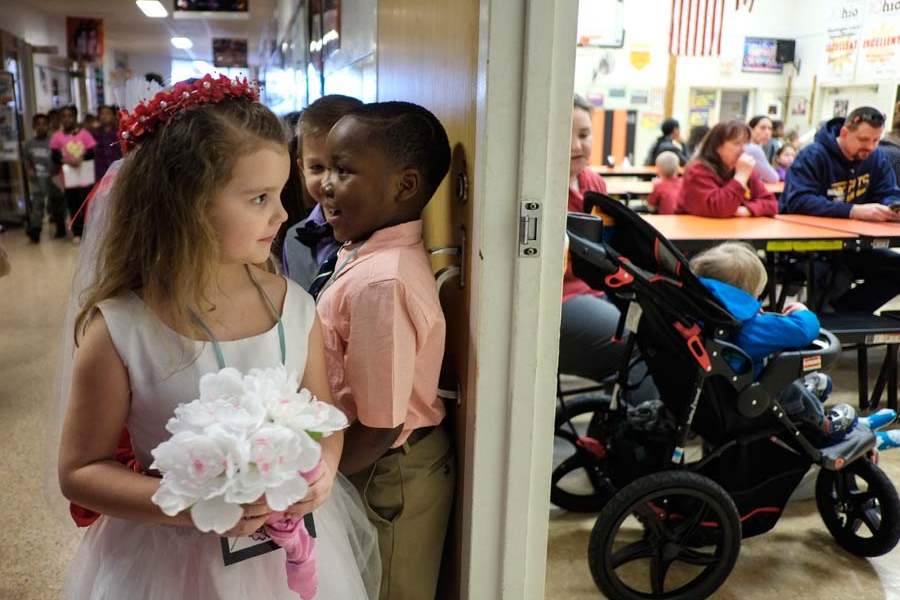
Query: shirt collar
point(350, 255)
point(404, 234)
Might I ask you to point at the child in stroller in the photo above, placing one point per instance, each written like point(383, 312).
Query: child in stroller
point(736, 277)
point(671, 512)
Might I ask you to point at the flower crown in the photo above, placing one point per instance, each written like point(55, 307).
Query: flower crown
point(149, 115)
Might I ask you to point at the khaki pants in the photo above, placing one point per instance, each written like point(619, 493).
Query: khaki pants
point(408, 497)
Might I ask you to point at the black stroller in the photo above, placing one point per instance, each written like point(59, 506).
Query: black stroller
point(670, 526)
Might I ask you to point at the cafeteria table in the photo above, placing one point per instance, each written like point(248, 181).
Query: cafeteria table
point(871, 235)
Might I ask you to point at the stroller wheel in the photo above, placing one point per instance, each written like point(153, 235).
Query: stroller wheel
point(644, 544)
point(579, 482)
point(860, 507)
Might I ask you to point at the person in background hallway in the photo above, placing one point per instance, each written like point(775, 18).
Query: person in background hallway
point(890, 143)
point(588, 324)
point(72, 146)
point(760, 139)
point(667, 186)
point(54, 117)
point(698, 132)
point(91, 122)
point(844, 174)
point(669, 140)
point(44, 191)
point(108, 150)
point(721, 180)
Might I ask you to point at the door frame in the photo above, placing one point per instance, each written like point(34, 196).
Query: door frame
point(525, 81)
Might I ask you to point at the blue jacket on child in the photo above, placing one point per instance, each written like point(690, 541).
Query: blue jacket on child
point(822, 182)
point(762, 333)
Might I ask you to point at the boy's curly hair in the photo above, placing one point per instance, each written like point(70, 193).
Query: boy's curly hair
point(411, 136)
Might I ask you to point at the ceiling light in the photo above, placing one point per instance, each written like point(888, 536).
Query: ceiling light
point(152, 8)
point(182, 43)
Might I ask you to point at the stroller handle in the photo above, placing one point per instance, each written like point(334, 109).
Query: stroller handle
point(585, 234)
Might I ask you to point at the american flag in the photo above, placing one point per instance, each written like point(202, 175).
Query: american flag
point(696, 27)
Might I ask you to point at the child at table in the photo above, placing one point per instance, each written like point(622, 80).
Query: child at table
point(736, 277)
point(384, 334)
point(784, 158)
point(667, 186)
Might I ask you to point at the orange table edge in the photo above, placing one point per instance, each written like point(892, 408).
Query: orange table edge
point(863, 228)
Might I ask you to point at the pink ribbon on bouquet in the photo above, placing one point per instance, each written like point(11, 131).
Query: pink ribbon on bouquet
point(291, 534)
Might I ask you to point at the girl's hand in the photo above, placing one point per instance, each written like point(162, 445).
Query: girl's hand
point(742, 211)
point(254, 517)
point(319, 490)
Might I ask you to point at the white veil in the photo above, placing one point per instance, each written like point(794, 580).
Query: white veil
point(84, 275)
point(126, 94)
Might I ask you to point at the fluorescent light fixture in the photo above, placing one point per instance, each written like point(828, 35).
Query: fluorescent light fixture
point(182, 43)
point(152, 8)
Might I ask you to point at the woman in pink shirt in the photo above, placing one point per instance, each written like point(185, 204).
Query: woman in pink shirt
point(586, 346)
point(721, 181)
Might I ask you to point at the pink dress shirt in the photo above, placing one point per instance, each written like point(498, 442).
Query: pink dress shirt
point(384, 332)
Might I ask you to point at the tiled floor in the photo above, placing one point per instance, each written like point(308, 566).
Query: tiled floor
point(797, 560)
point(36, 543)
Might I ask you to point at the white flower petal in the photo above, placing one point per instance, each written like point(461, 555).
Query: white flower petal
point(169, 502)
point(290, 492)
point(215, 515)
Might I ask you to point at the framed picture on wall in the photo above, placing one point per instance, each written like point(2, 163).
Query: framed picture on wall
point(229, 52)
point(760, 56)
point(84, 39)
point(841, 107)
point(799, 106)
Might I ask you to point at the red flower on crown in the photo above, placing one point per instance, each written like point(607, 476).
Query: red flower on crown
point(148, 116)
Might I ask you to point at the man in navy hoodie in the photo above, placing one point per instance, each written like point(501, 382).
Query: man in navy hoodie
point(844, 174)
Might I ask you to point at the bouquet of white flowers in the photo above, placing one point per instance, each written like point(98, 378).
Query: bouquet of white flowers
point(244, 437)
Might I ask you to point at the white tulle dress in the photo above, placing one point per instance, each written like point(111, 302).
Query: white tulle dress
point(120, 559)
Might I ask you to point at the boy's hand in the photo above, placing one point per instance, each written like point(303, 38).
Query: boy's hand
point(742, 211)
point(793, 307)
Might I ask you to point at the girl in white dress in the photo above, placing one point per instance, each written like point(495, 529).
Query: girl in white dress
point(180, 287)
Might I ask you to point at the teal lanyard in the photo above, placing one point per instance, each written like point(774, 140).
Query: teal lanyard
point(217, 348)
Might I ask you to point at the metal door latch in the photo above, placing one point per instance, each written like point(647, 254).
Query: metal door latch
point(530, 228)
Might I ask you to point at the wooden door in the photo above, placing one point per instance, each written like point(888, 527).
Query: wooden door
point(427, 54)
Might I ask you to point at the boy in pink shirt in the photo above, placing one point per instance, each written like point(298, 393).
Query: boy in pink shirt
point(384, 334)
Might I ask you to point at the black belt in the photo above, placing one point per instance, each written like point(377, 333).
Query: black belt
point(414, 438)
